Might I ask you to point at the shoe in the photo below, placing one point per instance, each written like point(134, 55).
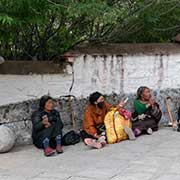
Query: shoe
point(130, 133)
point(49, 151)
point(137, 132)
point(59, 149)
point(93, 143)
point(149, 131)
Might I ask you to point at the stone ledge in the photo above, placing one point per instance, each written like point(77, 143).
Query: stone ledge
point(31, 67)
point(126, 49)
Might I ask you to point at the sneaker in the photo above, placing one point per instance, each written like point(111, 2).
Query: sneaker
point(137, 132)
point(59, 149)
point(49, 151)
point(93, 143)
point(130, 133)
point(149, 131)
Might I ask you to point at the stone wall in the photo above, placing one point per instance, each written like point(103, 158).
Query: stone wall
point(17, 116)
point(105, 73)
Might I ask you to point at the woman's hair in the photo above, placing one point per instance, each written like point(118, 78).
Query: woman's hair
point(94, 97)
point(140, 91)
point(43, 101)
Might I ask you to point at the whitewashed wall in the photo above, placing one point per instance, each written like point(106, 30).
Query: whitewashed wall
point(106, 74)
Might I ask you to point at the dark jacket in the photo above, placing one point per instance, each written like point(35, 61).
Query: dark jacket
point(39, 132)
point(151, 120)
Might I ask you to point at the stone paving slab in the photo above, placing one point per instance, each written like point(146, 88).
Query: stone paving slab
point(155, 157)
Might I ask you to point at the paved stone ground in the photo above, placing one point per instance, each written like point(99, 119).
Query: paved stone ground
point(155, 157)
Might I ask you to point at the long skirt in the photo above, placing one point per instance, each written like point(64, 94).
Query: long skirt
point(151, 121)
point(143, 125)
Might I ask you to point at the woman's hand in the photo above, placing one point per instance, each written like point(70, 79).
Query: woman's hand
point(46, 122)
point(152, 101)
point(47, 125)
point(121, 104)
point(148, 105)
point(97, 136)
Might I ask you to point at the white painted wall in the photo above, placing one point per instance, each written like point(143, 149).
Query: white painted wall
point(111, 74)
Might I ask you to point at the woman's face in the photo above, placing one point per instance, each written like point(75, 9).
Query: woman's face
point(49, 105)
point(146, 95)
point(100, 102)
point(100, 99)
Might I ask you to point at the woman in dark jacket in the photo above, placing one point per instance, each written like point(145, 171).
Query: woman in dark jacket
point(47, 127)
point(147, 113)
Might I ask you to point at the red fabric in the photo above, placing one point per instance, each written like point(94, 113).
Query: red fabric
point(125, 113)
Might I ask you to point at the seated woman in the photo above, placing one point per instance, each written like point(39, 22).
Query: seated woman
point(93, 129)
point(47, 127)
point(147, 113)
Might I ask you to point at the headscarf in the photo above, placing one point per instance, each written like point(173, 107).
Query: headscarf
point(94, 97)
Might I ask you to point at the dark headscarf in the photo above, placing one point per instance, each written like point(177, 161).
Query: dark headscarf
point(94, 97)
point(43, 101)
point(140, 91)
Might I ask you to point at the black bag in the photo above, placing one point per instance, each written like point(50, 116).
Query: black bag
point(70, 138)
